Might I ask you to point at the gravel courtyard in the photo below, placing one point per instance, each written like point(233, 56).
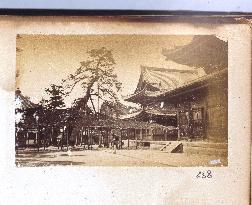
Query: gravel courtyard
point(109, 157)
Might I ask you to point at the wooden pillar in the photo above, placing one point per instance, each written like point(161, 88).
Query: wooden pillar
point(88, 136)
point(109, 134)
point(50, 137)
point(178, 125)
point(91, 140)
point(61, 147)
point(58, 143)
point(99, 135)
point(107, 138)
point(204, 120)
point(51, 140)
point(141, 133)
point(37, 136)
point(120, 139)
point(81, 136)
point(27, 139)
point(44, 142)
point(67, 138)
point(85, 131)
point(128, 136)
point(152, 135)
point(102, 136)
point(76, 138)
point(135, 137)
point(85, 139)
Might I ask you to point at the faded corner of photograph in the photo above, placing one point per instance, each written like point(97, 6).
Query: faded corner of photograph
point(121, 100)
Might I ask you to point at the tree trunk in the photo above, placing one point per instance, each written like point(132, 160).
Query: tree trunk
point(85, 99)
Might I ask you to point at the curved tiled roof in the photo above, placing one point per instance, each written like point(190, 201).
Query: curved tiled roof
point(23, 102)
point(159, 79)
point(145, 97)
point(206, 51)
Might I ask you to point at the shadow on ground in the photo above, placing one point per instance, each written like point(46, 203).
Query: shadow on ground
point(37, 163)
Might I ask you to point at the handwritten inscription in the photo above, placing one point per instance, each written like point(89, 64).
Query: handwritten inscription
point(204, 174)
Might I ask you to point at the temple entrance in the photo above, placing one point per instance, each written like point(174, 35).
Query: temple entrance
point(197, 123)
point(191, 124)
point(184, 124)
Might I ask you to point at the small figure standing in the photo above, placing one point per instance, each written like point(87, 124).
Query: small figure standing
point(114, 143)
point(16, 148)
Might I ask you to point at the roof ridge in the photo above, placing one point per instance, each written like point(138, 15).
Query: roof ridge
point(25, 100)
point(170, 69)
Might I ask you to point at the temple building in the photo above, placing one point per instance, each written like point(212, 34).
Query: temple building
point(26, 124)
point(191, 94)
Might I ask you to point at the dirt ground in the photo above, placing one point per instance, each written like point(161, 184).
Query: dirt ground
point(109, 157)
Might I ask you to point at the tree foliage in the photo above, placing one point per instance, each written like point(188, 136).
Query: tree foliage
point(96, 70)
point(56, 99)
point(52, 113)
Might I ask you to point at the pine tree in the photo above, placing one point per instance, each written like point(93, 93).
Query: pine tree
point(97, 70)
point(53, 116)
point(56, 100)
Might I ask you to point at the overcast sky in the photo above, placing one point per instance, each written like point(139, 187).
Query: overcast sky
point(47, 59)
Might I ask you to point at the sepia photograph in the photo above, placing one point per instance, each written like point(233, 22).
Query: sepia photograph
point(125, 109)
point(121, 100)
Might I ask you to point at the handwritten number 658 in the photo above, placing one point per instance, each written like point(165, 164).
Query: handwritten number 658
point(203, 175)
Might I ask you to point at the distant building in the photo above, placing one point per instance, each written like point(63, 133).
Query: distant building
point(26, 125)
